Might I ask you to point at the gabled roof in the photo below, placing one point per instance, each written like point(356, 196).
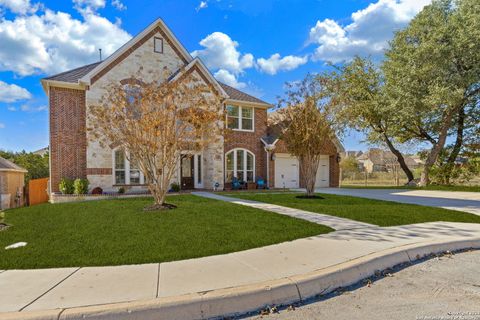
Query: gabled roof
point(235, 94)
point(197, 64)
point(72, 76)
point(157, 26)
point(85, 75)
point(6, 165)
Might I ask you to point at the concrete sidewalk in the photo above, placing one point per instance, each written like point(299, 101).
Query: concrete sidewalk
point(31, 290)
point(453, 200)
point(336, 223)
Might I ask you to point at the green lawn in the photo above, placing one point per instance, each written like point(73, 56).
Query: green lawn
point(115, 232)
point(432, 187)
point(382, 213)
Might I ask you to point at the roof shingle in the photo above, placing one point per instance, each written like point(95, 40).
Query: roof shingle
point(6, 165)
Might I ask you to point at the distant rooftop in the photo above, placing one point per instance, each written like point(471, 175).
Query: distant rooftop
point(6, 165)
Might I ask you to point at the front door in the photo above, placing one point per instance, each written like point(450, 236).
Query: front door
point(187, 173)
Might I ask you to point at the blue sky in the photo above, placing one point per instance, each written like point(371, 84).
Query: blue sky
point(253, 45)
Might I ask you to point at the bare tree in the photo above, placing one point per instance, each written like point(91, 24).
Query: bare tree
point(157, 122)
point(305, 126)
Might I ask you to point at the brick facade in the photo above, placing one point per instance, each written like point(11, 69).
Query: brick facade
point(251, 141)
point(68, 140)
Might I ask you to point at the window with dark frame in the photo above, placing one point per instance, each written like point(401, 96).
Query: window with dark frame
point(158, 45)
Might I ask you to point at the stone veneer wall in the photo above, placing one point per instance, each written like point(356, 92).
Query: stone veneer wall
point(142, 63)
point(67, 135)
point(251, 141)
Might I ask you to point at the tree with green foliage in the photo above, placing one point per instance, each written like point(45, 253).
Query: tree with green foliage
point(432, 72)
point(36, 165)
point(349, 166)
point(357, 93)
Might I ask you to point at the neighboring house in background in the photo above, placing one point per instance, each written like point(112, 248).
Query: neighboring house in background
point(12, 181)
point(41, 152)
point(417, 160)
point(378, 160)
point(239, 153)
point(352, 154)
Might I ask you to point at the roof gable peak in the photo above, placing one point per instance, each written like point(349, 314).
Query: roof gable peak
point(157, 26)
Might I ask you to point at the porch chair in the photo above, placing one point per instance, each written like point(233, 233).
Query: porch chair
point(261, 183)
point(236, 185)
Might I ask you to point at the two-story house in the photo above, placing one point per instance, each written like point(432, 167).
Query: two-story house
point(240, 153)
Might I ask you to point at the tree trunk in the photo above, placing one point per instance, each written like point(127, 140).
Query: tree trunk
point(457, 147)
point(400, 158)
point(437, 147)
point(309, 167)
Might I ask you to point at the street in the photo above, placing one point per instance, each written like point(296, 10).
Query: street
point(444, 288)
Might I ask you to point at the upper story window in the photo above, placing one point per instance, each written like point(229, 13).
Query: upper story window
point(126, 172)
point(240, 118)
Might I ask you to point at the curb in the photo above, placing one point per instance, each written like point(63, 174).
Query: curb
point(243, 299)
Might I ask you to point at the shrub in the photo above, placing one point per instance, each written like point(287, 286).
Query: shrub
point(66, 186)
point(175, 187)
point(80, 186)
point(121, 190)
point(97, 190)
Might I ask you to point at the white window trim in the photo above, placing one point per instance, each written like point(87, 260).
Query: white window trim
point(234, 151)
point(127, 171)
point(240, 118)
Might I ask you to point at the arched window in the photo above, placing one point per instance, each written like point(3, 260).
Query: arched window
point(240, 163)
point(125, 171)
point(133, 95)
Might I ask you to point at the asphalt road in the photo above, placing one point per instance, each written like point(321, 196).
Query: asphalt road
point(445, 288)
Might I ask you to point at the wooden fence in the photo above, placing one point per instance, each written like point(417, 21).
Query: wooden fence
point(37, 191)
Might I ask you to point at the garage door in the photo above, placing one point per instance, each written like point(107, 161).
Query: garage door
point(323, 172)
point(286, 171)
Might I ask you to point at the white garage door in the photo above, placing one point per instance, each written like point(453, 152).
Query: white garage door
point(286, 171)
point(323, 172)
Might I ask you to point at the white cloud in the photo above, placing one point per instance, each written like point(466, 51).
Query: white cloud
point(220, 52)
point(2, 125)
point(229, 78)
point(202, 5)
point(29, 108)
point(275, 63)
point(117, 4)
point(368, 33)
point(52, 42)
point(89, 5)
point(12, 92)
point(19, 6)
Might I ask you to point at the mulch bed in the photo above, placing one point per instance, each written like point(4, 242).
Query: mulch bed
point(309, 197)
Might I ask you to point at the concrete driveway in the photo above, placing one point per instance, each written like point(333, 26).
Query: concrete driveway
point(460, 201)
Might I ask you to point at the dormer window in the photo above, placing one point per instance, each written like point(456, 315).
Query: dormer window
point(158, 45)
